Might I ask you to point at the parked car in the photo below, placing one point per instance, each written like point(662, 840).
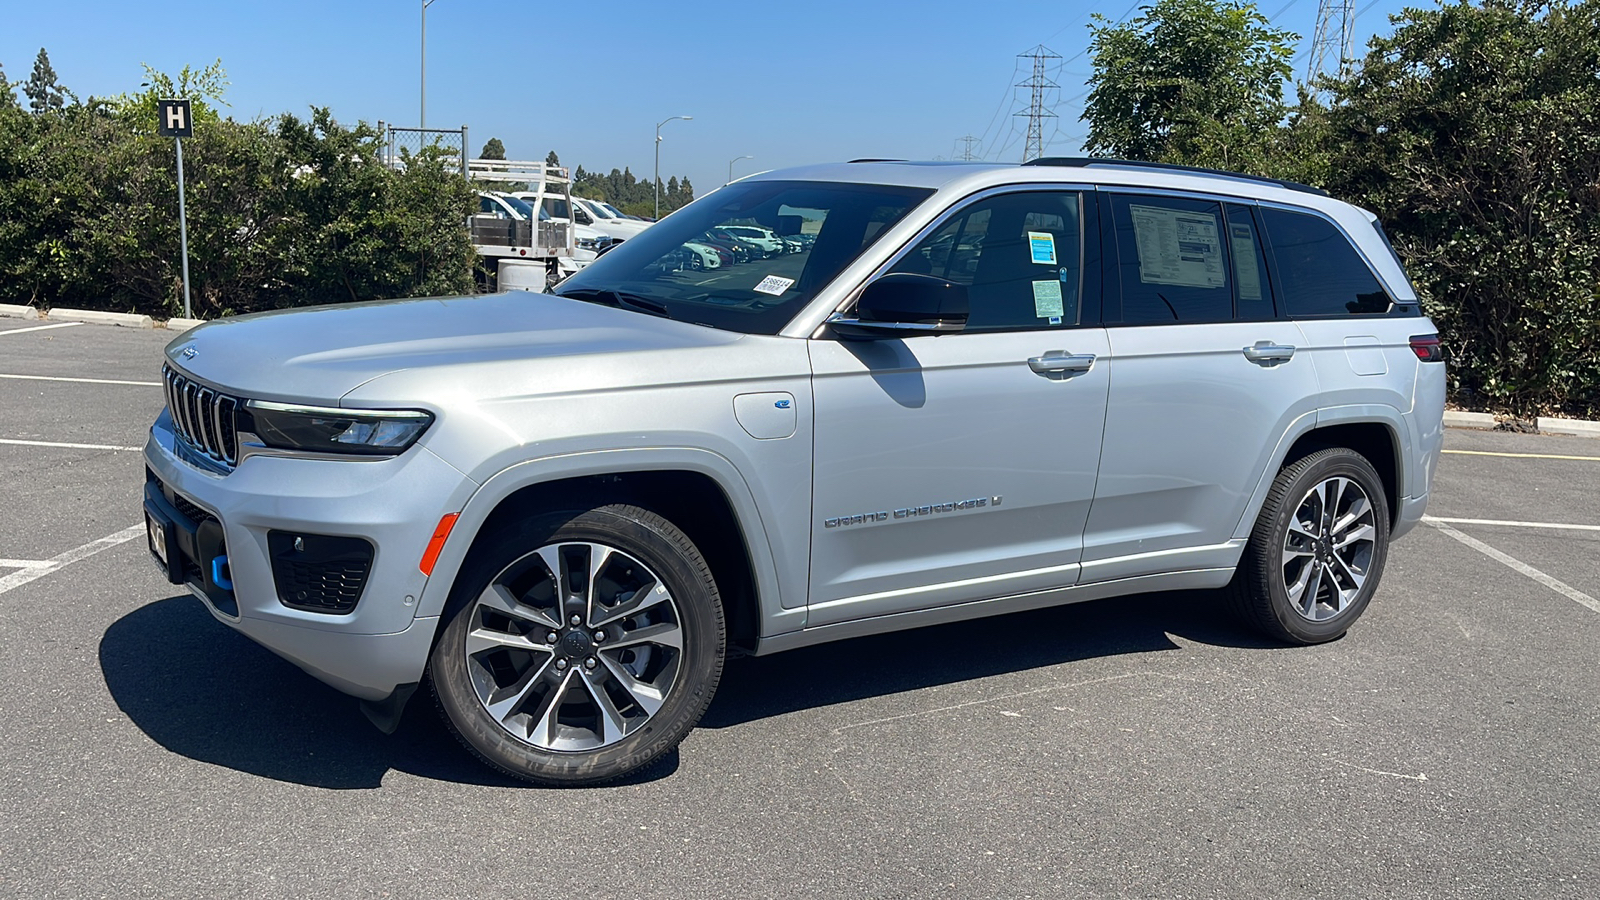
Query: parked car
point(770, 243)
point(987, 389)
point(604, 217)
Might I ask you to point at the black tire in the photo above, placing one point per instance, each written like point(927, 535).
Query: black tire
point(511, 572)
point(1263, 590)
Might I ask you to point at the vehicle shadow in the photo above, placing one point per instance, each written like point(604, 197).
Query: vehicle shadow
point(201, 690)
point(761, 687)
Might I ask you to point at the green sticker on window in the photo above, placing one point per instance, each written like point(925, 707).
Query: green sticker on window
point(1047, 299)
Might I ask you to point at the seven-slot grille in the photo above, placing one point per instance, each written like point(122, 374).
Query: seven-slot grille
point(202, 416)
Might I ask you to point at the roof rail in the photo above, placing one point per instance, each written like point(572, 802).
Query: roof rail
point(876, 160)
point(1085, 161)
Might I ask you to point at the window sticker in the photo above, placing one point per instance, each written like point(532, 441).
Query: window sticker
point(1042, 245)
point(774, 285)
point(1178, 247)
point(1047, 299)
point(1244, 261)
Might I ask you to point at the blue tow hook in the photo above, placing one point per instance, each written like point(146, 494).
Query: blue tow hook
point(219, 573)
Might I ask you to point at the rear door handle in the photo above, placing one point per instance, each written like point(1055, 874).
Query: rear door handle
point(1268, 352)
point(1056, 362)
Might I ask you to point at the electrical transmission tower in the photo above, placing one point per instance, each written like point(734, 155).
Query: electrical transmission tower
point(966, 151)
point(1033, 147)
point(1330, 43)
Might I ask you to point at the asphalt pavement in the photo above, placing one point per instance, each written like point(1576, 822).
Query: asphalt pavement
point(1448, 746)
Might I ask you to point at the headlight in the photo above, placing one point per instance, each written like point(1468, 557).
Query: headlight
point(323, 430)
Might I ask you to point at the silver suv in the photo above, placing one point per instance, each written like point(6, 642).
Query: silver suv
point(975, 389)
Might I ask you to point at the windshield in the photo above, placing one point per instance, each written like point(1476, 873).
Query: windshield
point(521, 206)
point(611, 210)
point(669, 266)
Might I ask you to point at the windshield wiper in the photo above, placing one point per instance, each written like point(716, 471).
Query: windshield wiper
point(621, 300)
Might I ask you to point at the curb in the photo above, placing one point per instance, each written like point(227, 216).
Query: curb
point(1456, 419)
point(181, 324)
point(11, 310)
point(1579, 427)
point(95, 317)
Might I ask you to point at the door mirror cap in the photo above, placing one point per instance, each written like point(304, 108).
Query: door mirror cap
point(903, 304)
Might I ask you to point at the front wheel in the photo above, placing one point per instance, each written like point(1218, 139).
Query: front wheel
point(1317, 551)
point(582, 646)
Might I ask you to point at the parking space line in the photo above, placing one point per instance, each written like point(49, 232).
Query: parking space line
point(1554, 525)
point(1521, 455)
point(56, 563)
point(22, 563)
point(42, 327)
point(1518, 565)
point(80, 380)
point(66, 446)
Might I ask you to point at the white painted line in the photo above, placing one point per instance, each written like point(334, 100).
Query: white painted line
point(22, 563)
point(1516, 564)
point(1556, 525)
point(42, 327)
point(66, 446)
point(54, 563)
point(81, 380)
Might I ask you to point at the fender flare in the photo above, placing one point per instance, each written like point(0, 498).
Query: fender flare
point(1354, 414)
point(531, 472)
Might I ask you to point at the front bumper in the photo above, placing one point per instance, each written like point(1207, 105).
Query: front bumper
point(216, 528)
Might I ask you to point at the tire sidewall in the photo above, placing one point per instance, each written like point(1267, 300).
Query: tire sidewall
point(1332, 464)
point(699, 611)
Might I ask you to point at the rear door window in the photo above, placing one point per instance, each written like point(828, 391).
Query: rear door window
point(1322, 274)
point(1173, 254)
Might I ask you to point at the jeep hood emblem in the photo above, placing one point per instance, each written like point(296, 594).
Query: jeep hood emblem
point(190, 352)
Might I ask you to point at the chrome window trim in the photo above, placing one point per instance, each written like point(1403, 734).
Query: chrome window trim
point(820, 332)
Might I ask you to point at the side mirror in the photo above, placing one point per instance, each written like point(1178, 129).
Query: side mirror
point(904, 304)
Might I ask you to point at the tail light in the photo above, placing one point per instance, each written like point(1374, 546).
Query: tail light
point(1427, 347)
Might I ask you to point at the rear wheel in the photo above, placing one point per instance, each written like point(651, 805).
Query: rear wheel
point(1316, 554)
point(582, 646)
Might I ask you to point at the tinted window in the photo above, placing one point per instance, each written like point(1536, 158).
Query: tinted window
point(1173, 260)
point(1020, 255)
point(1252, 294)
point(1321, 274)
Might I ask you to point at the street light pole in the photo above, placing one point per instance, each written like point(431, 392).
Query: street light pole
point(730, 168)
point(657, 184)
point(422, 115)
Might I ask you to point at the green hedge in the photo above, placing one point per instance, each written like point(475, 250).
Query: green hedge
point(281, 212)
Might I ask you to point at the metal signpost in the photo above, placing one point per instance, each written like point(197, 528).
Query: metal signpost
point(175, 123)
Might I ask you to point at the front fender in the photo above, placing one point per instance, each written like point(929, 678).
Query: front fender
point(774, 618)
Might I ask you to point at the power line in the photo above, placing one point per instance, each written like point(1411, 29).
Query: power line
point(1330, 43)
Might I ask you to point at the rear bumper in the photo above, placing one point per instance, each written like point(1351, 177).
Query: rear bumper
point(1411, 512)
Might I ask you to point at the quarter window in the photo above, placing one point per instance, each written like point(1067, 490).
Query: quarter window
point(1321, 273)
point(1020, 256)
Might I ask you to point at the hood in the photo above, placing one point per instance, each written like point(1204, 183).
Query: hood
point(319, 354)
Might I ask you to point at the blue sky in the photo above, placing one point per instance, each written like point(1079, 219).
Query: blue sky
point(786, 81)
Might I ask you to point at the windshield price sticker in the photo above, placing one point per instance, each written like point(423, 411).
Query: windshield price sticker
point(1042, 245)
point(774, 285)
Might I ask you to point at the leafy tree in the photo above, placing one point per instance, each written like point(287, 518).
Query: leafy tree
point(551, 159)
point(44, 94)
point(8, 96)
point(493, 150)
point(1191, 81)
point(1473, 131)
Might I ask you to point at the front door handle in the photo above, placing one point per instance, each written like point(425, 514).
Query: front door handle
point(1057, 362)
point(1268, 352)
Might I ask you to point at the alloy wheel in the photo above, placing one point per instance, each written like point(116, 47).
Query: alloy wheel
point(1328, 548)
point(574, 646)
